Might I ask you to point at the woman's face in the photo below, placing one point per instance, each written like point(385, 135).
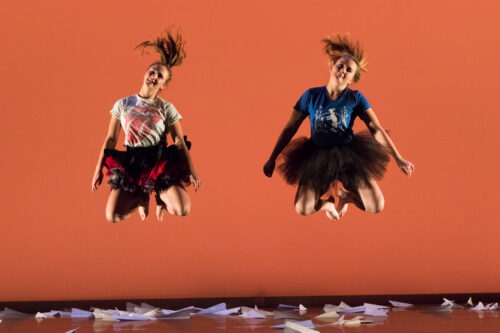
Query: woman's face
point(344, 70)
point(156, 77)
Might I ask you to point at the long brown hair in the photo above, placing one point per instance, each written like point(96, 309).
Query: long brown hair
point(338, 46)
point(170, 46)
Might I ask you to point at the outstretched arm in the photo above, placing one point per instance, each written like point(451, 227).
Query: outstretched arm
point(286, 135)
point(383, 138)
point(109, 143)
point(178, 137)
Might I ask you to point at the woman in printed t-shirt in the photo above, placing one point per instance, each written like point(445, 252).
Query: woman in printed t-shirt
point(148, 164)
point(334, 153)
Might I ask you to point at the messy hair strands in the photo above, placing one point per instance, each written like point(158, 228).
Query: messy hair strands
point(337, 46)
point(170, 46)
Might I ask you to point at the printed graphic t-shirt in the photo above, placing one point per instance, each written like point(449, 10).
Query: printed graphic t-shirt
point(145, 121)
point(331, 120)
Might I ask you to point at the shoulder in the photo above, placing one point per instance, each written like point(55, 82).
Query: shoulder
point(315, 91)
point(355, 93)
point(312, 92)
point(164, 104)
point(127, 101)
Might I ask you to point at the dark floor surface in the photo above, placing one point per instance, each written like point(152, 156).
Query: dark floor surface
point(417, 319)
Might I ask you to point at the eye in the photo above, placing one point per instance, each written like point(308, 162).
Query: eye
point(151, 72)
point(160, 75)
point(349, 69)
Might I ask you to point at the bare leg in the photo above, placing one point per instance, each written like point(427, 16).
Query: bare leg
point(143, 207)
point(122, 204)
point(308, 201)
point(368, 197)
point(177, 201)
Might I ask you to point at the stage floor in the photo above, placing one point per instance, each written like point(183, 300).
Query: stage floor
point(417, 319)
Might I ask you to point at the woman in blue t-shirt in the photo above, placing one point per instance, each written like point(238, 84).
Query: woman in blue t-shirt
point(334, 153)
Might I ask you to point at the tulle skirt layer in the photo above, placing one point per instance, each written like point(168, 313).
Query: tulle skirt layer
point(304, 163)
point(141, 170)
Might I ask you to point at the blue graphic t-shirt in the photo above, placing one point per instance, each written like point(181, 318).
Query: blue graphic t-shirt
point(331, 120)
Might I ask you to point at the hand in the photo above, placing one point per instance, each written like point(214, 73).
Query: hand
point(269, 167)
point(97, 180)
point(195, 180)
point(405, 166)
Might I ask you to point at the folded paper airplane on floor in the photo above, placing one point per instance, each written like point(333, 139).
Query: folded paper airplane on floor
point(400, 304)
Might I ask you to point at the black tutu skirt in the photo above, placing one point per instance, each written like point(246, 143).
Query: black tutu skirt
point(352, 164)
point(142, 170)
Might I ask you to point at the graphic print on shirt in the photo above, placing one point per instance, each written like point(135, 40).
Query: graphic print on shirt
point(139, 121)
point(331, 120)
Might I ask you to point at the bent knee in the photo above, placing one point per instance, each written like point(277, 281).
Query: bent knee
point(376, 207)
point(180, 210)
point(113, 217)
point(304, 208)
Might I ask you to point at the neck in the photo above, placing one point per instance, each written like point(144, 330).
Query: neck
point(334, 88)
point(146, 92)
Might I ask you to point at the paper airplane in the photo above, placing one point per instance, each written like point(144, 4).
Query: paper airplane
point(376, 312)
point(286, 315)
point(262, 312)
point(447, 302)
point(302, 308)
point(479, 307)
point(78, 313)
point(9, 313)
point(329, 314)
point(213, 309)
point(360, 308)
point(400, 304)
point(227, 312)
point(251, 313)
point(179, 314)
point(285, 306)
point(469, 302)
point(329, 307)
point(296, 327)
point(304, 323)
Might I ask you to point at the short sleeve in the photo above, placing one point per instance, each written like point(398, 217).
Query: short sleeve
point(362, 103)
point(172, 115)
point(117, 109)
point(301, 105)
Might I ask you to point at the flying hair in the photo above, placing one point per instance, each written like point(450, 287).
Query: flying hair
point(170, 46)
point(338, 46)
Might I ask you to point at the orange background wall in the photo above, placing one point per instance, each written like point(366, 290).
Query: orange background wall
point(433, 81)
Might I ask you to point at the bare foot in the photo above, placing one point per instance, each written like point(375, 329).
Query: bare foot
point(143, 212)
point(342, 205)
point(329, 208)
point(160, 212)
